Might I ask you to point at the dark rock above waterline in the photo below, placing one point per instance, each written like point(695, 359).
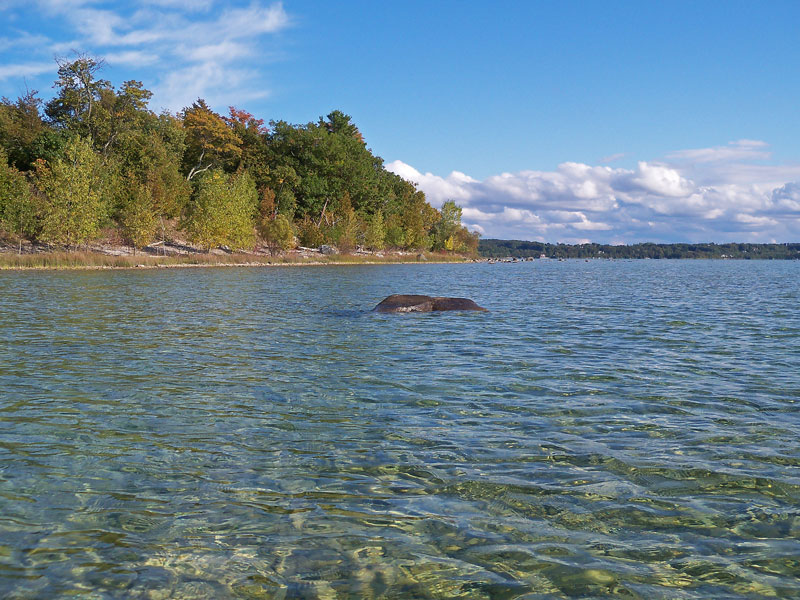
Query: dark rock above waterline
point(417, 303)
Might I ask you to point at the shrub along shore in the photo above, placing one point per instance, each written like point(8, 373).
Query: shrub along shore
point(96, 163)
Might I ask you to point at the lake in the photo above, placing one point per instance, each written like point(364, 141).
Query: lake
point(609, 428)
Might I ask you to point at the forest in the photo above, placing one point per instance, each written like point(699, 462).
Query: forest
point(96, 163)
point(491, 248)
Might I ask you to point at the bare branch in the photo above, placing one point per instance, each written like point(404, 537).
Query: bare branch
point(196, 169)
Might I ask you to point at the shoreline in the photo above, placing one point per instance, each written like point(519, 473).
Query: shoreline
point(98, 261)
point(223, 265)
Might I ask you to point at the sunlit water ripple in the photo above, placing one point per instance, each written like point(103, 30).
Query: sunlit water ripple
point(609, 428)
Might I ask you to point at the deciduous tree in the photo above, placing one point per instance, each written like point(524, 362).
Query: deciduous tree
point(277, 234)
point(375, 236)
point(448, 225)
point(222, 211)
point(210, 143)
point(20, 125)
point(72, 209)
point(17, 207)
point(79, 90)
point(138, 217)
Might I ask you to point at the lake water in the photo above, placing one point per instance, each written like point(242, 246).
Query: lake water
point(624, 429)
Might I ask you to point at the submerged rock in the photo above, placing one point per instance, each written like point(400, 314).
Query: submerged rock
point(417, 303)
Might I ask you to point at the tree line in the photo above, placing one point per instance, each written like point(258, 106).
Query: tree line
point(96, 162)
point(492, 248)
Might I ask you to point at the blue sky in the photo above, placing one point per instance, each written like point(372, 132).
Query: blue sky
point(558, 121)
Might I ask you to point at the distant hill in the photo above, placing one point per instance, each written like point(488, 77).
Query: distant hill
point(491, 248)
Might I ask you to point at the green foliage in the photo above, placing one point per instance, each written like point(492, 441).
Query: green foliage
point(277, 234)
point(416, 223)
point(72, 208)
point(444, 231)
point(310, 233)
point(79, 92)
point(47, 146)
point(169, 190)
point(20, 125)
point(222, 211)
point(137, 217)
point(350, 231)
point(466, 242)
point(252, 139)
point(133, 168)
point(327, 159)
point(17, 207)
point(347, 229)
point(210, 143)
point(375, 235)
point(153, 153)
point(523, 249)
point(395, 234)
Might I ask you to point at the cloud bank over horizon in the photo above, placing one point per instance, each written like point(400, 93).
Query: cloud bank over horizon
point(720, 194)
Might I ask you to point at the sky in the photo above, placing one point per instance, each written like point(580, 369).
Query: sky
point(570, 121)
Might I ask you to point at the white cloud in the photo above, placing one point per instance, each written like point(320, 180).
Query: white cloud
point(225, 51)
point(738, 150)
point(452, 187)
point(661, 180)
point(252, 21)
point(26, 69)
point(201, 49)
point(131, 57)
point(23, 40)
point(612, 158)
point(195, 5)
point(655, 201)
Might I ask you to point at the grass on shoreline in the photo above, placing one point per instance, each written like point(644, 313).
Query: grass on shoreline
point(98, 260)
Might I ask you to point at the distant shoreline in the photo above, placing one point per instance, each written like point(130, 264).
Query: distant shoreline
point(499, 249)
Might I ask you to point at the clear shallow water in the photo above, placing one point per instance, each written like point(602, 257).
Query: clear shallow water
point(624, 429)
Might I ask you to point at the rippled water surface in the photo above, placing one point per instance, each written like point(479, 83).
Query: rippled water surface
point(617, 428)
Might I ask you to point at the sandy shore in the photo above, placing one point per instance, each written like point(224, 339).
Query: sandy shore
point(99, 260)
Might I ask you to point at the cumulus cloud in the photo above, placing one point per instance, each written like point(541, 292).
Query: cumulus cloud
point(655, 201)
point(208, 48)
point(661, 181)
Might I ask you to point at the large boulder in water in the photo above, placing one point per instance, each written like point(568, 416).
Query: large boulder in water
point(416, 303)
